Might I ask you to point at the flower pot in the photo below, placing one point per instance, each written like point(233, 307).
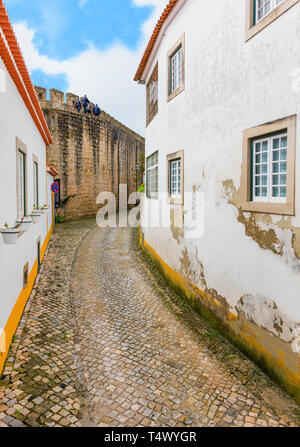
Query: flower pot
point(10, 236)
point(26, 223)
point(36, 217)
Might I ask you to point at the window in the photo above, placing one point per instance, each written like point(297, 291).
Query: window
point(152, 176)
point(269, 165)
point(268, 170)
point(176, 74)
point(152, 95)
point(260, 13)
point(35, 184)
point(264, 7)
point(175, 177)
point(21, 183)
point(176, 70)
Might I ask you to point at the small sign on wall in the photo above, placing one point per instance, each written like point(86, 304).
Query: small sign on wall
point(55, 187)
point(56, 193)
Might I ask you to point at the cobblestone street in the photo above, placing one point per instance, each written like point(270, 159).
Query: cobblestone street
point(104, 342)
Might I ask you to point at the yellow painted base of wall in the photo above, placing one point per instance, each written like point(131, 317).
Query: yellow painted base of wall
point(17, 312)
point(282, 367)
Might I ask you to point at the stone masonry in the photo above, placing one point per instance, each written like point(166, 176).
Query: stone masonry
point(92, 154)
point(105, 342)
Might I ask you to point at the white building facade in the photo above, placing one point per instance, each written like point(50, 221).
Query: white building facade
point(223, 150)
point(25, 194)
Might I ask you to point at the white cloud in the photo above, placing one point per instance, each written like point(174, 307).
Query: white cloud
point(105, 76)
point(82, 3)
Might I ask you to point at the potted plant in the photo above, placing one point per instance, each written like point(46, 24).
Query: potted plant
point(36, 214)
point(60, 209)
point(10, 234)
point(25, 223)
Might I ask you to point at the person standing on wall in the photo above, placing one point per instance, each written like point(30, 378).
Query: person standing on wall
point(97, 110)
point(89, 108)
point(78, 105)
point(85, 103)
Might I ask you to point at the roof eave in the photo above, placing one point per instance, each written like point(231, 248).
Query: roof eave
point(166, 18)
point(15, 64)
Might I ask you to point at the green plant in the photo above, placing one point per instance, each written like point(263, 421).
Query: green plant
point(7, 227)
point(36, 209)
point(66, 200)
point(138, 173)
point(209, 335)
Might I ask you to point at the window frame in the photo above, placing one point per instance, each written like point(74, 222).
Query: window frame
point(21, 149)
point(288, 126)
point(35, 182)
point(151, 113)
point(253, 27)
point(178, 199)
point(175, 185)
point(180, 44)
point(152, 168)
point(269, 174)
point(273, 6)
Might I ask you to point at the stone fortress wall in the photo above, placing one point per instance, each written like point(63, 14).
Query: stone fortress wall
point(92, 153)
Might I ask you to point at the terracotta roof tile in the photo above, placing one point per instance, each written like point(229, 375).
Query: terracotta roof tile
point(13, 58)
point(52, 171)
point(167, 11)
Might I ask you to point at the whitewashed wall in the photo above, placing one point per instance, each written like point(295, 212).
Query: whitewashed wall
point(15, 121)
point(231, 85)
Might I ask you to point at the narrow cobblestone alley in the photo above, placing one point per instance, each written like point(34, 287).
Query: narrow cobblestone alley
point(104, 342)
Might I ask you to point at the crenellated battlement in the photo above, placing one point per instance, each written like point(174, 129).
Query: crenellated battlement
point(58, 100)
point(92, 154)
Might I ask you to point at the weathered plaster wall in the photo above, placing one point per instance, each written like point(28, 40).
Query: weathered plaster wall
point(245, 269)
point(92, 154)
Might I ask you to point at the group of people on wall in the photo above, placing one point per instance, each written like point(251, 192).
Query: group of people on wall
point(87, 107)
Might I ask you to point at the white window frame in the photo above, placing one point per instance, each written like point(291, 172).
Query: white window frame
point(21, 172)
point(273, 5)
point(269, 168)
point(176, 70)
point(152, 171)
point(175, 178)
point(175, 195)
point(35, 183)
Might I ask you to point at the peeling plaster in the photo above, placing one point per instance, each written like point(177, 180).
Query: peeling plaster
point(265, 313)
point(176, 219)
point(269, 231)
point(262, 312)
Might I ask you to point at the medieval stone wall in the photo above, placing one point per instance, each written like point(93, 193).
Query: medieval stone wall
point(92, 154)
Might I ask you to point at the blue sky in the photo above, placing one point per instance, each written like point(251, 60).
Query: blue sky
point(88, 47)
point(64, 28)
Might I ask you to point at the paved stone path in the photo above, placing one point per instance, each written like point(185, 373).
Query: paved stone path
point(104, 342)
